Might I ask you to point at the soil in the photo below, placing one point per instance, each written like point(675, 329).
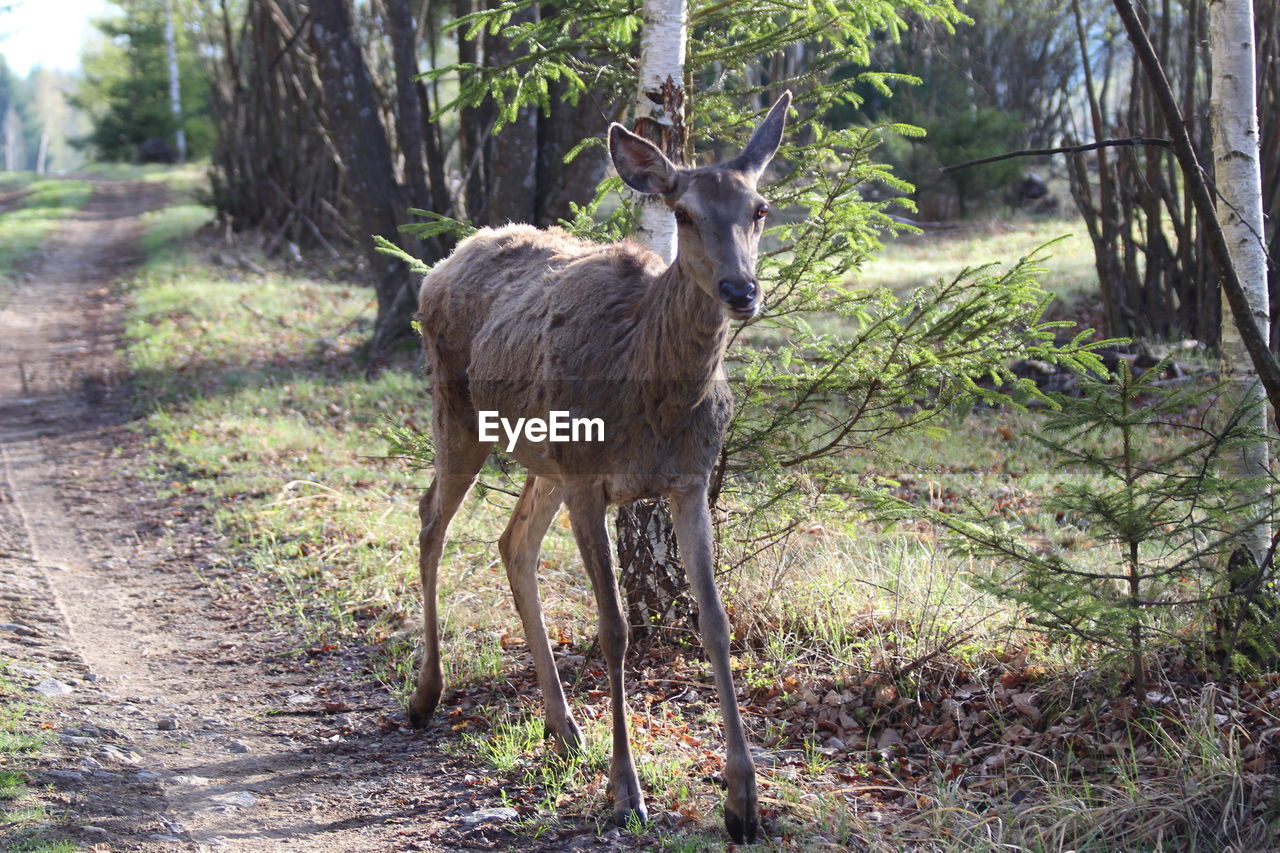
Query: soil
point(192, 721)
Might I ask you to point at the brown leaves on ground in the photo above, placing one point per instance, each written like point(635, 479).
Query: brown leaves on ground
point(998, 738)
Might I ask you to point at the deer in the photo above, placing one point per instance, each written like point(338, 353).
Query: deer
point(523, 321)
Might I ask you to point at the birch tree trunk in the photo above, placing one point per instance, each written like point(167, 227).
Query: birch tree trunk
point(175, 90)
point(653, 581)
point(660, 109)
point(1238, 175)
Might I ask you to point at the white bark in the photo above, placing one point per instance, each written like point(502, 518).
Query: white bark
point(175, 92)
point(662, 43)
point(1238, 176)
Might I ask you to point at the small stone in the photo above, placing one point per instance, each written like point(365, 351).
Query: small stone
point(237, 746)
point(147, 776)
point(50, 688)
point(93, 676)
point(167, 724)
point(112, 753)
point(300, 699)
point(73, 740)
point(95, 830)
point(66, 775)
point(90, 763)
point(189, 781)
point(20, 630)
point(241, 799)
point(501, 814)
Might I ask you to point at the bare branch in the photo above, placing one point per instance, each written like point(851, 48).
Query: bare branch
point(1070, 149)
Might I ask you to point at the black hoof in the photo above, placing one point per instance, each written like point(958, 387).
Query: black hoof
point(743, 830)
point(625, 817)
point(417, 719)
point(570, 746)
point(420, 712)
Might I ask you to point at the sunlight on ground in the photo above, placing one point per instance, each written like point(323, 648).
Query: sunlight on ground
point(912, 260)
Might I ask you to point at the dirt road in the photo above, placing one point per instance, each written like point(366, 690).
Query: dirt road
point(181, 718)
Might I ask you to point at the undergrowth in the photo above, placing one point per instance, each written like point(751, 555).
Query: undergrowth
point(895, 704)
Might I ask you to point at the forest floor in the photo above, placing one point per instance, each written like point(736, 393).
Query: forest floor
point(209, 613)
point(150, 704)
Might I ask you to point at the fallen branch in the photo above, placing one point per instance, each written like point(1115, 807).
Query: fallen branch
point(1070, 149)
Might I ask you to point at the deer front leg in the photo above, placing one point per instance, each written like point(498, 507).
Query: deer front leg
point(586, 513)
point(518, 545)
point(693, 535)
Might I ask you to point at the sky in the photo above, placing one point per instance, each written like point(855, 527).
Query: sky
point(47, 32)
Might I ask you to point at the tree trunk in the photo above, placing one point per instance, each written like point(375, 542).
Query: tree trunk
point(660, 109)
point(175, 90)
point(351, 107)
point(474, 126)
point(560, 183)
point(1238, 175)
point(411, 129)
point(513, 164)
point(652, 578)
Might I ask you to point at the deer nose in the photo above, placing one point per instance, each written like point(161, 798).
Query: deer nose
point(738, 294)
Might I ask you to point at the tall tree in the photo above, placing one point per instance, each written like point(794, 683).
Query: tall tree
point(175, 81)
point(126, 86)
point(361, 142)
point(1238, 177)
point(659, 111)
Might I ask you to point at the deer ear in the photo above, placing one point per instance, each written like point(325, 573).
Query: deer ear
point(764, 142)
point(639, 162)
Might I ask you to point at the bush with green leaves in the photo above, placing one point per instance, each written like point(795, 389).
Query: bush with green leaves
point(1152, 493)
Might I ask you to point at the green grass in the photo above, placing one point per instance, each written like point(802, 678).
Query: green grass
point(912, 260)
point(256, 401)
point(12, 181)
point(24, 819)
point(25, 229)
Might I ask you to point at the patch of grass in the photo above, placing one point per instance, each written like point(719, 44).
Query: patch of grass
point(144, 171)
point(911, 260)
point(25, 229)
point(11, 181)
point(168, 229)
point(24, 818)
point(23, 842)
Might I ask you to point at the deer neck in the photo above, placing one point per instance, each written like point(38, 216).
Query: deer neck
point(684, 333)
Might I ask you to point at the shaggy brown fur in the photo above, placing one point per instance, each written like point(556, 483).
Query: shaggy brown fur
point(526, 322)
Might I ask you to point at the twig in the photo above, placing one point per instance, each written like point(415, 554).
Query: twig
point(1070, 149)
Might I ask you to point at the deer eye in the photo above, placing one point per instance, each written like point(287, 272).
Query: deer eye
point(761, 212)
point(682, 216)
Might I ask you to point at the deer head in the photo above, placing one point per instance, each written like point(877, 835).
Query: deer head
point(718, 211)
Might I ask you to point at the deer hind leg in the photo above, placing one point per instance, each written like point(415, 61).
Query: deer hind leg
point(459, 459)
point(586, 512)
point(692, 522)
point(519, 545)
